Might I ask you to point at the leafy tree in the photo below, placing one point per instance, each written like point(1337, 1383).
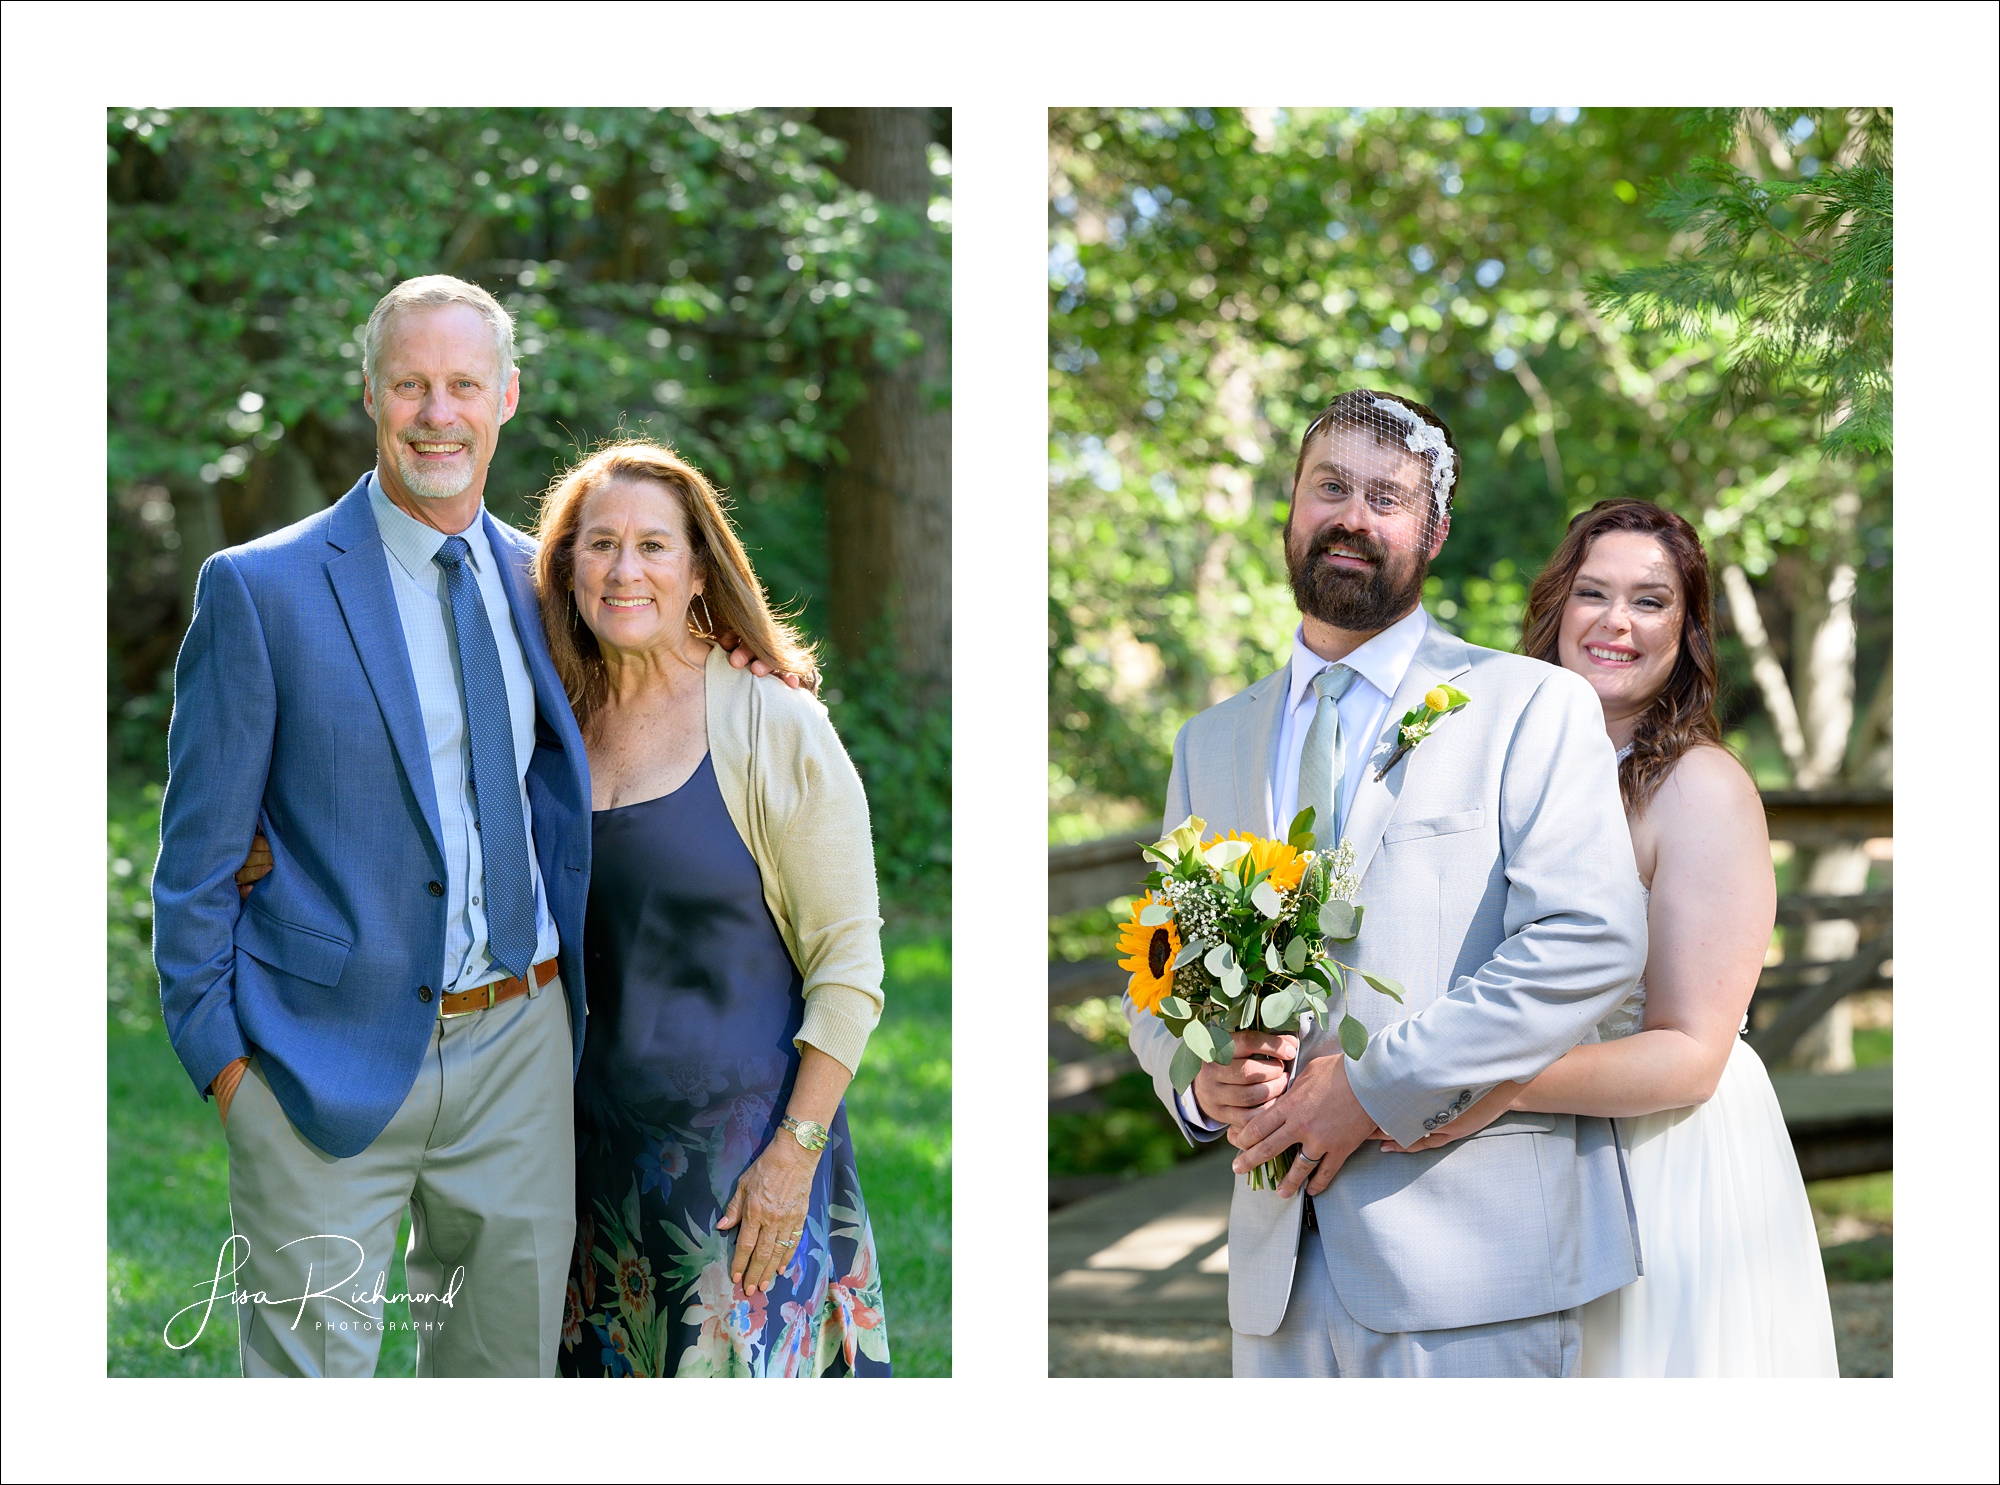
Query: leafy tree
point(1217, 275)
point(1788, 259)
point(707, 277)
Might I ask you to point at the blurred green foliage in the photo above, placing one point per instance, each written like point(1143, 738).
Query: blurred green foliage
point(1128, 1134)
point(702, 276)
point(1218, 275)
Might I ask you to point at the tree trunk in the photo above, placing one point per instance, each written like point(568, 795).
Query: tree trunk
point(889, 506)
point(1813, 714)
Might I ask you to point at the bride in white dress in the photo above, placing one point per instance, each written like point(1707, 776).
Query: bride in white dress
point(1732, 1284)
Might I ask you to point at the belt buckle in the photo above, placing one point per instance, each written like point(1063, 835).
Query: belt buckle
point(489, 987)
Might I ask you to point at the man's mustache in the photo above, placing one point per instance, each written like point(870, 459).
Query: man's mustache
point(445, 435)
point(1358, 542)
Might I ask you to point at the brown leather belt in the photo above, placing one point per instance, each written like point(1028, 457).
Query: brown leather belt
point(484, 997)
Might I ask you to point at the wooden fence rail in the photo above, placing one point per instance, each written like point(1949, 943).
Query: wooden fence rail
point(1840, 1123)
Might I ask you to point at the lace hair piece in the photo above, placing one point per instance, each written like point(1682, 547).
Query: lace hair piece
point(1422, 437)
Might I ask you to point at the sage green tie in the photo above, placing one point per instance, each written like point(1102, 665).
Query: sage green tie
point(1324, 758)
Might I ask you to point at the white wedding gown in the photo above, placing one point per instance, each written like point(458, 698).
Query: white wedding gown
point(1733, 1285)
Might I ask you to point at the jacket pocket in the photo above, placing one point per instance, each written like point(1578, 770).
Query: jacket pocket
point(1464, 820)
point(304, 952)
point(1518, 1124)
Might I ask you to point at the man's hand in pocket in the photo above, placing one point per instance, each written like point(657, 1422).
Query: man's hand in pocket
point(224, 1086)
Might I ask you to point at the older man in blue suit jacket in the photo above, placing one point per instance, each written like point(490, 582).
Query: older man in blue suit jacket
point(391, 1019)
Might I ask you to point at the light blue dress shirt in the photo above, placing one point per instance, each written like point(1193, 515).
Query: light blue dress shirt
point(424, 604)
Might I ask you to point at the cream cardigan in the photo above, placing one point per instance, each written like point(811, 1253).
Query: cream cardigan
point(798, 804)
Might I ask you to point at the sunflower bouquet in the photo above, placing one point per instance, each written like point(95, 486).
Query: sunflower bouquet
point(1233, 934)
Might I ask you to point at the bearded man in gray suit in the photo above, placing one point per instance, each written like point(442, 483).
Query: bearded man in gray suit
point(1496, 871)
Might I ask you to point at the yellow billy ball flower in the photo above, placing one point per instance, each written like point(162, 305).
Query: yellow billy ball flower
point(1149, 956)
point(1437, 699)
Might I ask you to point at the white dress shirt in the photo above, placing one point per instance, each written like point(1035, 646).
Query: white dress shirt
point(1379, 664)
point(423, 602)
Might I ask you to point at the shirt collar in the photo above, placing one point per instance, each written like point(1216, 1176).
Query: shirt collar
point(414, 544)
point(1382, 660)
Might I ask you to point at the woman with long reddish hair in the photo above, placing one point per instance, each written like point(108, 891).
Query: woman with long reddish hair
point(733, 944)
point(1732, 1283)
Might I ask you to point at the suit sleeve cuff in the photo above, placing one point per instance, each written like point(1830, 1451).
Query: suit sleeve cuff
point(1196, 1119)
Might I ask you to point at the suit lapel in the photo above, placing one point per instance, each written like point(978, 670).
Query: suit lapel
point(1441, 657)
point(359, 572)
point(1254, 740)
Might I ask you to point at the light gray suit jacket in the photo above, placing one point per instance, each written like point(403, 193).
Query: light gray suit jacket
point(1496, 872)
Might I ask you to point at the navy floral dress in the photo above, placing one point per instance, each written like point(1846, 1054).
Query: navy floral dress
point(687, 1067)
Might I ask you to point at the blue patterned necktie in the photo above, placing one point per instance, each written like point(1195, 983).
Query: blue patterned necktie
point(496, 778)
point(1323, 760)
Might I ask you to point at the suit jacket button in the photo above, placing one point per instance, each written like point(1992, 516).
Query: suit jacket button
point(424, 994)
point(437, 889)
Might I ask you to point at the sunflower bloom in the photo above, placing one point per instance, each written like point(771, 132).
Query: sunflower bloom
point(1149, 956)
point(1283, 861)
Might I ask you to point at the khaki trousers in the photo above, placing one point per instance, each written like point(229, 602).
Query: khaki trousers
point(483, 1155)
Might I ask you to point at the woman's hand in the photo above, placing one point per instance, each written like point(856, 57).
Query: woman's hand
point(768, 1210)
point(256, 866)
point(1492, 1106)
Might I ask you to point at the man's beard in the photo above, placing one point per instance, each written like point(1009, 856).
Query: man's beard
point(1361, 602)
point(435, 484)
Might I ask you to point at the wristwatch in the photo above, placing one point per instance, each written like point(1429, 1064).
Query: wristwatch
point(809, 1133)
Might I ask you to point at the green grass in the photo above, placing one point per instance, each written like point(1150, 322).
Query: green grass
point(1871, 1199)
point(169, 1168)
point(899, 1112)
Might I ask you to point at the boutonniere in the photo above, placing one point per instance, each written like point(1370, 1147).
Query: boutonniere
point(1439, 703)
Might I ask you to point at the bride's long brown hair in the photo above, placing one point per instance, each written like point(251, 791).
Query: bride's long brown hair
point(1682, 716)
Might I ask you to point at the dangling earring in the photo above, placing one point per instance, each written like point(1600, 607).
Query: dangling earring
point(707, 630)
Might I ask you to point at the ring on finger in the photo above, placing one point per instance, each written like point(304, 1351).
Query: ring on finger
point(1308, 1161)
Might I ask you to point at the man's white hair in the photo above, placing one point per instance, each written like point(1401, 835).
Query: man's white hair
point(435, 291)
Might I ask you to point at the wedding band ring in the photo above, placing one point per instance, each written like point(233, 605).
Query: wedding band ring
point(786, 1242)
point(1308, 1160)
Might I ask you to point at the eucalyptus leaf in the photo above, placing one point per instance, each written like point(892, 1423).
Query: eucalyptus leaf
point(1246, 1017)
point(1272, 960)
point(1177, 1008)
point(1181, 1071)
point(1219, 959)
point(1190, 951)
point(1295, 955)
point(1388, 987)
point(1233, 980)
point(1353, 1037)
point(1266, 898)
point(1355, 930)
point(1279, 1008)
point(1338, 920)
point(1154, 914)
